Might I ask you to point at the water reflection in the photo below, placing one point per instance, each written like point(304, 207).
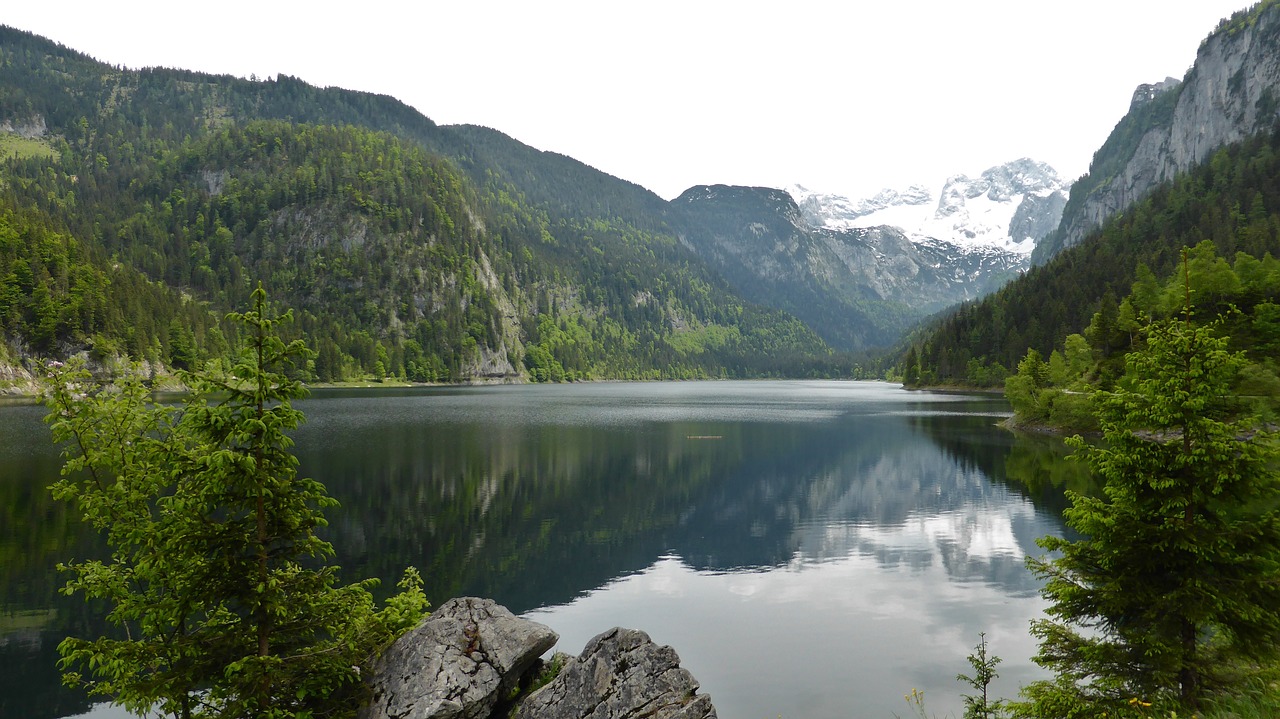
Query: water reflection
point(812, 549)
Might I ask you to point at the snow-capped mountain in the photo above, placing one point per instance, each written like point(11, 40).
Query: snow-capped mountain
point(858, 287)
point(1008, 207)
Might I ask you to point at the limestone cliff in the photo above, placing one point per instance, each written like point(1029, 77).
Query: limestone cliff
point(1231, 92)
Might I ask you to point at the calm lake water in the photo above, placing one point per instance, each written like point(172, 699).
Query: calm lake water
point(813, 550)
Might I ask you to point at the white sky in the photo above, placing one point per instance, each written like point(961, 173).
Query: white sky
point(846, 96)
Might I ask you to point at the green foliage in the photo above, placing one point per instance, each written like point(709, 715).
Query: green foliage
point(217, 577)
point(981, 705)
point(1256, 697)
point(548, 672)
point(1210, 285)
point(1044, 393)
point(1231, 202)
point(911, 369)
point(1176, 576)
point(1242, 19)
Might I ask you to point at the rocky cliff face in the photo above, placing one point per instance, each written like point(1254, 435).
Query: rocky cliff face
point(1231, 92)
point(31, 128)
point(858, 287)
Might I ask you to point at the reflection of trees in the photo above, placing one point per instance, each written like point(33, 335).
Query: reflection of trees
point(527, 515)
point(31, 685)
point(1034, 465)
point(971, 441)
point(1041, 467)
point(37, 532)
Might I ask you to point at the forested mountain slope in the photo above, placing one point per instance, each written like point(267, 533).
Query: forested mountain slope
point(858, 290)
point(406, 248)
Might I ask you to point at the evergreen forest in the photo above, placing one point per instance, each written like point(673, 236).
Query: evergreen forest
point(138, 207)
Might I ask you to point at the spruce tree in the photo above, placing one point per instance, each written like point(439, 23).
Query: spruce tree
point(1176, 573)
point(217, 576)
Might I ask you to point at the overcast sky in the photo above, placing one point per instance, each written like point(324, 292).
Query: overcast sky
point(839, 96)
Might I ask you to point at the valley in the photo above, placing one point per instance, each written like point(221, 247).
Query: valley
point(534, 374)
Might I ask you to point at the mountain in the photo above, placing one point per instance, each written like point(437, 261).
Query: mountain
point(862, 273)
point(410, 249)
point(1010, 206)
point(138, 207)
point(857, 287)
point(1231, 92)
point(1168, 182)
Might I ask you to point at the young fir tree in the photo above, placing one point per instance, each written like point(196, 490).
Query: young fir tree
point(981, 705)
point(911, 369)
point(216, 577)
point(1177, 572)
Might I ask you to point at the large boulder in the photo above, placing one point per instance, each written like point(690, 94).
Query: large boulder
point(621, 674)
point(469, 654)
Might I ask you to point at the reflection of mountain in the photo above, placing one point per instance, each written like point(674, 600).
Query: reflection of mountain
point(524, 496)
point(536, 513)
point(875, 487)
point(1035, 466)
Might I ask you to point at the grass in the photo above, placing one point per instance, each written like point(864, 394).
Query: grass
point(1258, 698)
point(21, 147)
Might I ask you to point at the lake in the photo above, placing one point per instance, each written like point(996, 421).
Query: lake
point(812, 550)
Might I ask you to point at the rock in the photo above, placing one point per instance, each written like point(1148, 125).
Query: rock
point(467, 658)
point(621, 674)
point(1037, 216)
point(460, 662)
point(1231, 93)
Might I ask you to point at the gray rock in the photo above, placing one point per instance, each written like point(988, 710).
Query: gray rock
point(1230, 93)
point(1037, 216)
point(460, 662)
point(621, 674)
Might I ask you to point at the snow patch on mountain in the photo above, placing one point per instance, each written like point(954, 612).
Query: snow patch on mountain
point(1008, 207)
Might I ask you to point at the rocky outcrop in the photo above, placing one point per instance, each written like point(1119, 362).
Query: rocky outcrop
point(16, 379)
point(460, 662)
point(31, 128)
point(1148, 92)
point(472, 658)
point(1037, 216)
point(489, 365)
point(621, 674)
point(1231, 93)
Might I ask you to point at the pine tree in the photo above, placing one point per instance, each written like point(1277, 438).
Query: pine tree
point(217, 575)
point(911, 369)
point(1176, 574)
